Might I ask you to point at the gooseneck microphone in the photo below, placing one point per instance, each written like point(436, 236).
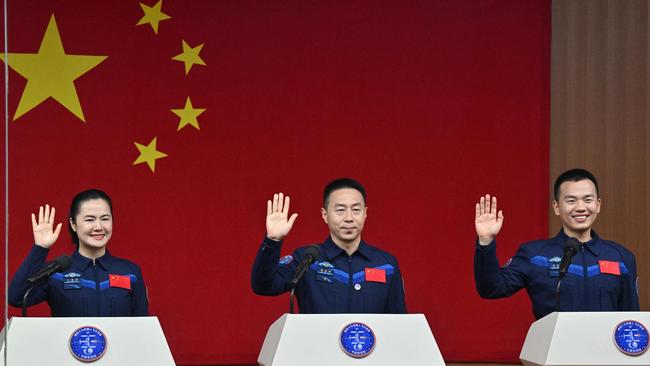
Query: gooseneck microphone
point(60, 264)
point(571, 248)
point(308, 257)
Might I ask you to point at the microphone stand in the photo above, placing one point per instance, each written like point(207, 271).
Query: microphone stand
point(293, 289)
point(557, 292)
point(311, 254)
point(61, 263)
point(24, 305)
point(294, 283)
point(571, 248)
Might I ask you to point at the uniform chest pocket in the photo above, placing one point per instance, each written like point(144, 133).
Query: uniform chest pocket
point(570, 295)
point(322, 293)
point(120, 301)
point(375, 296)
point(609, 286)
point(74, 302)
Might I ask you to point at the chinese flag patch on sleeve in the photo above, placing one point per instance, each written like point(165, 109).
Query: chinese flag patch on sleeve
point(119, 281)
point(375, 275)
point(610, 267)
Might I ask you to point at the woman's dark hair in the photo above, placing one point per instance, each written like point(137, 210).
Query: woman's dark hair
point(75, 206)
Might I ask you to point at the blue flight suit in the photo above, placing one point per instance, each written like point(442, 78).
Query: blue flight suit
point(335, 282)
point(535, 267)
point(84, 290)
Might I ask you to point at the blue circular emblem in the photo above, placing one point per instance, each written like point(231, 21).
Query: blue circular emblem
point(631, 337)
point(357, 340)
point(286, 259)
point(88, 344)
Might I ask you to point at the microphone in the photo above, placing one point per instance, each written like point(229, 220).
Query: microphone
point(310, 255)
point(571, 248)
point(61, 263)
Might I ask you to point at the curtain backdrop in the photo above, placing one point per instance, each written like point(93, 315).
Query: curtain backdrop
point(600, 118)
point(192, 114)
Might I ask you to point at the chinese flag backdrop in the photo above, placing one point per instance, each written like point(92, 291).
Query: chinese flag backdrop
point(429, 103)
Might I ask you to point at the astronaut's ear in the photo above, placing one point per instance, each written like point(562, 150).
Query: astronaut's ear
point(556, 208)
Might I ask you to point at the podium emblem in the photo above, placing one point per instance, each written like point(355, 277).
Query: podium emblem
point(88, 344)
point(631, 337)
point(357, 340)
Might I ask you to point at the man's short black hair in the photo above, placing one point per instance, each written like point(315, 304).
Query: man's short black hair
point(573, 175)
point(342, 183)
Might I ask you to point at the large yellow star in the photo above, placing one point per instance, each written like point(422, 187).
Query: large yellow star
point(153, 15)
point(149, 154)
point(188, 115)
point(190, 56)
point(51, 73)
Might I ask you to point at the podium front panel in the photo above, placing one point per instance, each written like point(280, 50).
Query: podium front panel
point(313, 339)
point(580, 338)
point(132, 341)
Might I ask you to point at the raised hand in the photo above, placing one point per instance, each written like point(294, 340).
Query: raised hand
point(488, 222)
point(277, 224)
point(44, 236)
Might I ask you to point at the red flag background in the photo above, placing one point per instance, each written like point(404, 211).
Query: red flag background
point(429, 104)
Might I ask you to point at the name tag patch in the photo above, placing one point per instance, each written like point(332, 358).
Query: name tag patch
point(72, 281)
point(554, 267)
point(325, 279)
point(325, 272)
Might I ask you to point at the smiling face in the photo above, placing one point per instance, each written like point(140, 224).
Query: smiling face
point(578, 206)
point(94, 226)
point(345, 215)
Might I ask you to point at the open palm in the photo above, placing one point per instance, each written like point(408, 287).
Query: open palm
point(44, 235)
point(278, 222)
point(488, 220)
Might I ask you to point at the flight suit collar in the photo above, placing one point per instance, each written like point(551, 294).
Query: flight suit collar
point(83, 262)
point(592, 245)
point(330, 250)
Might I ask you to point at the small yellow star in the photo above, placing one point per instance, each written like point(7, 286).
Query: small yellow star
point(153, 15)
point(149, 154)
point(190, 56)
point(51, 73)
point(188, 115)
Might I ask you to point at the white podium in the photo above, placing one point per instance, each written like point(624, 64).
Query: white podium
point(580, 338)
point(135, 341)
point(313, 339)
